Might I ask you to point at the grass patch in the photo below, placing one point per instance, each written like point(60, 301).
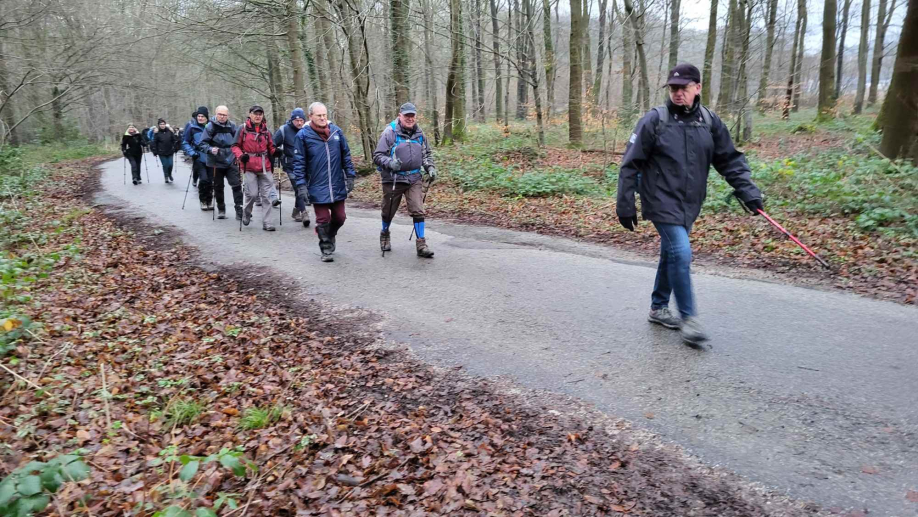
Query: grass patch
point(260, 417)
point(183, 411)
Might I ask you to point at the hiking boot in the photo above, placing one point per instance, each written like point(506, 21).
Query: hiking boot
point(204, 206)
point(194, 183)
point(692, 332)
point(134, 182)
point(297, 215)
point(268, 228)
point(325, 244)
point(171, 179)
point(385, 242)
point(665, 318)
point(423, 250)
point(210, 204)
point(305, 216)
point(276, 203)
point(258, 202)
point(238, 213)
point(246, 218)
point(221, 213)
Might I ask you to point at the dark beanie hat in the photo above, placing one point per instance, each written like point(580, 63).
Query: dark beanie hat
point(202, 110)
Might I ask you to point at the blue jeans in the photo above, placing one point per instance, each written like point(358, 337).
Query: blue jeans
point(674, 270)
point(167, 165)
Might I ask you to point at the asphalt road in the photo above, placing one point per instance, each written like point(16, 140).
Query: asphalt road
point(813, 393)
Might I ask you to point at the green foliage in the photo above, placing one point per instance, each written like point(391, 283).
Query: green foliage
point(182, 494)
point(28, 489)
point(485, 175)
point(183, 411)
point(259, 418)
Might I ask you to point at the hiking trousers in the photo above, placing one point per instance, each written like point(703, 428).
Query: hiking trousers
point(231, 175)
point(392, 198)
point(259, 185)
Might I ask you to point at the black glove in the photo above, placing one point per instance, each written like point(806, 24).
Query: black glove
point(278, 153)
point(754, 205)
point(349, 181)
point(244, 158)
point(629, 222)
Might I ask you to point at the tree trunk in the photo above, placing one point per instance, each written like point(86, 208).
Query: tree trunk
point(275, 80)
point(454, 130)
point(878, 49)
point(533, 71)
point(600, 53)
point(862, 50)
point(801, 48)
point(549, 57)
point(839, 68)
point(674, 33)
point(642, 56)
point(827, 61)
point(354, 30)
point(706, 82)
point(522, 89)
point(900, 108)
point(627, 68)
point(789, 98)
point(479, 66)
point(575, 91)
point(666, 8)
point(769, 49)
point(586, 54)
point(744, 113)
point(433, 104)
point(330, 56)
point(731, 45)
point(399, 10)
point(499, 96)
point(296, 54)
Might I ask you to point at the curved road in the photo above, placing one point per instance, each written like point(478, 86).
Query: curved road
point(813, 393)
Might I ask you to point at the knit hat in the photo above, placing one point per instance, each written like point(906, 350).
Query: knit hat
point(298, 113)
point(202, 110)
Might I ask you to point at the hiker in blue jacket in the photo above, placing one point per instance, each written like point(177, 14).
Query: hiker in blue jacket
point(216, 146)
point(193, 133)
point(671, 150)
point(402, 157)
point(322, 170)
point(285, 150)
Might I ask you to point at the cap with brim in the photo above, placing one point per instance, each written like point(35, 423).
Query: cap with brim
point(682, 75)
point(256, 108)
point(408, 109)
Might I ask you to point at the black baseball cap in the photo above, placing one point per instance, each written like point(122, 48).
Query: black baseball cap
point(408, 109)
point(683, 74)
point(256, 108)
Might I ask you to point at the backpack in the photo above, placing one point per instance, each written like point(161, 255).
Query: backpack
point(663, 119)
point(398, 140)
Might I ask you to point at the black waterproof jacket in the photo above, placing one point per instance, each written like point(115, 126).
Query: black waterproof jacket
point(165, 142)
point(673, 165)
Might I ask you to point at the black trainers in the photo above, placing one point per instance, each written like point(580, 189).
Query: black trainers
point(221, 213)
point(238, 213)
point(268, 228)
point(665, 318)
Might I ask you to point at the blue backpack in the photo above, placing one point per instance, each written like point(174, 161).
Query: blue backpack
point(400, 139)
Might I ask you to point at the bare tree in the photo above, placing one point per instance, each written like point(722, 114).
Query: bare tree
point(862, 49)
point(628, 68)
point(297, 63)
point(398, 11)
point(533, 71)
point(637, 25)
point(575, 92)
point(495, 43)
point(792, 71)
point(454, 130)
point(900, 108)
point(879, 42)
point(549, 58)
point(429, 80)
point(802, 13)
point(769, 49)
point(827, 61)
point(843, 31)
point(675, 6)
point(352, 22)
point(600, 52)
point(707, 74)
point(479, 69)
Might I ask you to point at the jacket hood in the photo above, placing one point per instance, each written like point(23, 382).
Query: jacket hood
point(127, 132)
point(168, 127)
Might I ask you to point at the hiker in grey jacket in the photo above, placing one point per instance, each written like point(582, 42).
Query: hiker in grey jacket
point(402, 157)
point(216, 147)
point(667, 160)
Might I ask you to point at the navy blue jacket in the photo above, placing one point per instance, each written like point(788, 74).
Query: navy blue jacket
point(221, 136)
point(674, 166)
point(285, 138)
point(322, 166)
point(191, 138)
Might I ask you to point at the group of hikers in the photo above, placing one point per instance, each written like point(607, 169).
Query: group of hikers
point(315, 156)
point(666, 160)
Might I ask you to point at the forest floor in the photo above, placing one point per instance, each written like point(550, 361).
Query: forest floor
point(824, 183)
point(189, 391)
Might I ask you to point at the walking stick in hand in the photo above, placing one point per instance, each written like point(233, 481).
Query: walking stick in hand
point(781, 229)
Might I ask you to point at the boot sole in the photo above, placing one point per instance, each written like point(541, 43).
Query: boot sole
point(664, 324)
point(328, 259)
point(695, 341)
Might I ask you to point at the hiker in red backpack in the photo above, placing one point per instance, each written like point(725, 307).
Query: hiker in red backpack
point(253, 147)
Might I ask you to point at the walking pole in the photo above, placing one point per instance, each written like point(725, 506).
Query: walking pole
point(780, 228)
point(213, 181)
point(145, 167)
point(244, 191)
point(280, 200)
point(124, 170)
point(423, 200)
point(188, 187)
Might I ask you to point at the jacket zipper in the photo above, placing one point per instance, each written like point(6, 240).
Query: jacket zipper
point(328, 165)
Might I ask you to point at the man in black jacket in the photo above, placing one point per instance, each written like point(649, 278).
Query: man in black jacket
point(667, 161)
point(164, 144)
